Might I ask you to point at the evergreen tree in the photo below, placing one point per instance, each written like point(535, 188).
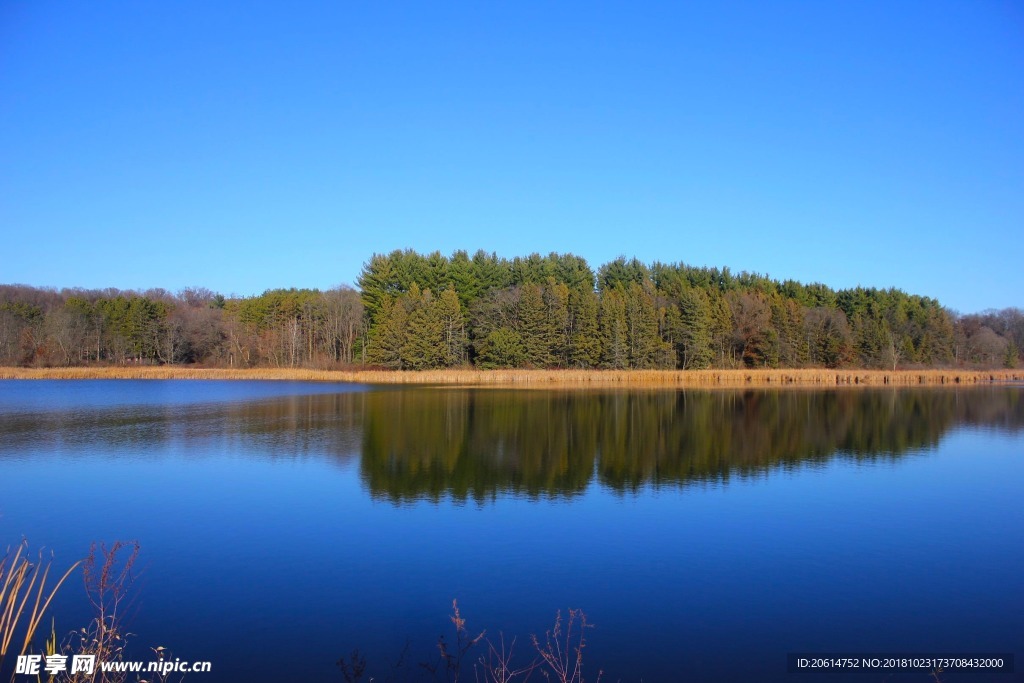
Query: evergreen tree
point(453, 329)
point(694, 338)
point(463, 275)
point(535, 329)
point(585, 347)
point(620, 273)
point(1012, 354)
point(491, 271)
point(641, 327)
point(424, 345)
point(788, 322)
point(573, 272)
point(376, 282)
point(387, 337)
point(612, 329)
point(556, 302)
point(502, 348)
point(435, 273)
point(720, 326)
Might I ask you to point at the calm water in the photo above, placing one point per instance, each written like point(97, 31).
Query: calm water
point(706, 535)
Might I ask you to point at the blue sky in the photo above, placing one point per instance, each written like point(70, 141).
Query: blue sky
point(244, 146)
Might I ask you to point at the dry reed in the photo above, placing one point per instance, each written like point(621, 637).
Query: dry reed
point(23, 584)
point(558, 655)
point(107, 579)
point(562, 650)
point(543, 378)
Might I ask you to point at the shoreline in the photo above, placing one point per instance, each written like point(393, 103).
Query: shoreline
point(544, 378)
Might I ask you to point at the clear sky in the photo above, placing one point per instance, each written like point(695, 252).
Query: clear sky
point(249, 145)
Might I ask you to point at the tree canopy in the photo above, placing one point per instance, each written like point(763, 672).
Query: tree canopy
point(415, 311)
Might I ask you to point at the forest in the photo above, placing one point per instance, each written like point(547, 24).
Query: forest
point(417, 311)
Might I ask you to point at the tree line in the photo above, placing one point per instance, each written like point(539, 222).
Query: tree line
point(417, 311)
point(280, 328)
point(428, 311)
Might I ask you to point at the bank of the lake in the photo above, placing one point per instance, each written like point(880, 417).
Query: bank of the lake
point(542, 378)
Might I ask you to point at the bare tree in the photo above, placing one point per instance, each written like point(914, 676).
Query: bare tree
point(893, 350)
point(341, 323)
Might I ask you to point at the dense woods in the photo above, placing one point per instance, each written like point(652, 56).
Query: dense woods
point(415, 311)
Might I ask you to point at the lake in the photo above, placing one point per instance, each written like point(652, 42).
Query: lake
point(706, 535)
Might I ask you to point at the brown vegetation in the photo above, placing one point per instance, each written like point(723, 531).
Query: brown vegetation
point(542, 378)
point(26, 595)
point(23, 584)
point(558, 657)
point(107, 578)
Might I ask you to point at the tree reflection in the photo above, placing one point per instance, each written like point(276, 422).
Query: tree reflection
point(475, 444)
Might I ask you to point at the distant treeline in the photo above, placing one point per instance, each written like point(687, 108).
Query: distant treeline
point(416, 311)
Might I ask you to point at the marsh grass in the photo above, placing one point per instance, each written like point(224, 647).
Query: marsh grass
point(108, 576)
point(499, 665)
point(557, 657)
point(704, 379)
point(562, 649)
point(451, 656)
point(25, 595)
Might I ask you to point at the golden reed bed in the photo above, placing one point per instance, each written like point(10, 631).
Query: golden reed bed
point(544, 378)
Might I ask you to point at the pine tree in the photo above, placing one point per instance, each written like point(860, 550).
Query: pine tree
point(453, 329)
point(1012, 353)
point(377, 282)
point(491, 272)
point(424, 342)
point(559, 323)
point(535, 329)
point(720, 327)
point(695, 341)
point(612, 329)
point(463, 275)
point(641, 327)
point(435, 273)
point(788, 321)
point(387, 336)
point(502, 348)
point(585, 342)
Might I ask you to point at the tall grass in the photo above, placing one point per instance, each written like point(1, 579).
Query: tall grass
point(25, 595)
point(557, 657)
point(543, 378)
point(108, 575)
point(24, 598)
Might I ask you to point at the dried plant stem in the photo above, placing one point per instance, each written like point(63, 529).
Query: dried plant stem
point(22, 582)
point(562, 650)
point(703, 379)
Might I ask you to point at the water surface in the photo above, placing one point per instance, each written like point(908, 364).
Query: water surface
point(705, 534)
